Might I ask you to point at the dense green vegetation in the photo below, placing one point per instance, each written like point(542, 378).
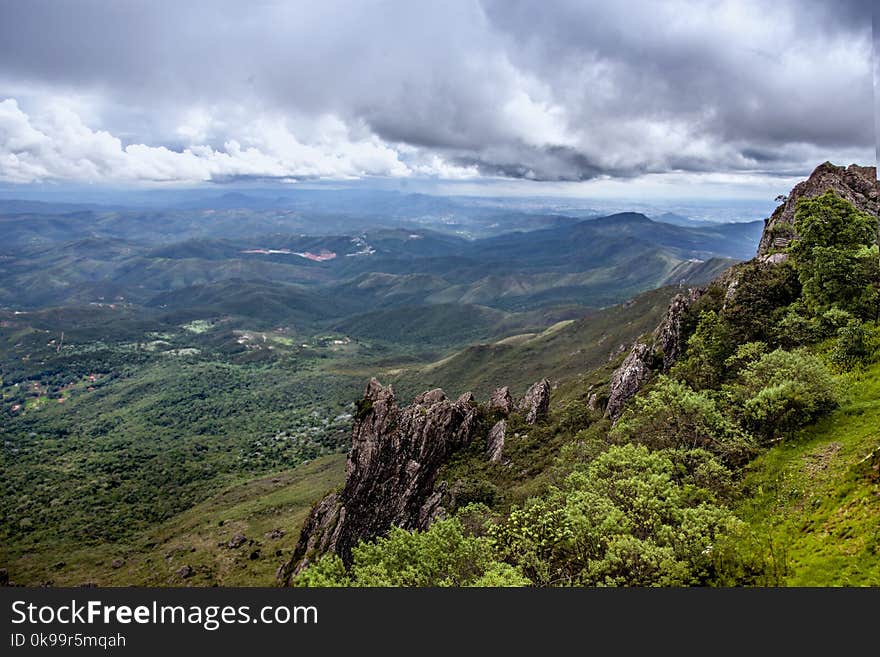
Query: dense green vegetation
point(673, 493)
point(141, 435)
point(266, 511)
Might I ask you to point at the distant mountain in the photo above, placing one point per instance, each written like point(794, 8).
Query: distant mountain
point(142, 256)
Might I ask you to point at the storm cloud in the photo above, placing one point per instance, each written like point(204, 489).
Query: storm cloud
point(566, 90)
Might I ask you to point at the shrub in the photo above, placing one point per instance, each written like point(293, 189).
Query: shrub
point(626, 521)
point(673, 415)
point(763, 292)
point(783, 391)
point(444, 555)
point(854, 346)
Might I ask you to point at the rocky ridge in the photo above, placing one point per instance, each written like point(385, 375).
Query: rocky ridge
point(395, 459)
point(856, 184)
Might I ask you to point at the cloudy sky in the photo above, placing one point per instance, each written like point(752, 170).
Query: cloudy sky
point(591, 96)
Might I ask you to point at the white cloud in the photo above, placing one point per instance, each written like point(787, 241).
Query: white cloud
point(56, 145)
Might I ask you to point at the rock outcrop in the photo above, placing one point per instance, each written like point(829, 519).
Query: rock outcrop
point(668, 343)
point(495, 441)
point(856, 184)
point(501, 401)
point(628, 379)
point(535, 404)
point(669, 338)
point(392, 468)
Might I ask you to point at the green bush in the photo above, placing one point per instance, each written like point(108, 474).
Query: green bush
point(625, 521)
point(782, 392)
point(672, 415)
point(762, 294)
point(853, 346)
point(444, 555)
point(835, 254)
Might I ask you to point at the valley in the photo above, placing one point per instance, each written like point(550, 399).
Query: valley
point(175, 402)
point(143, 369)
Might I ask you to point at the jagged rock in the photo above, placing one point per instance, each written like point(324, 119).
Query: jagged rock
point(593, 402)
point(117, 563)
point(668, 336)
point(495, 441)
point(856, 184)
point(185, 572)
point(391, 472)
point(236, 541)
point(501, 401)
point(536, 402)
point(275, 534)
point(628, 378)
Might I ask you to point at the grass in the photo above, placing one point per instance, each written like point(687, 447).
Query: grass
point(566, 351)
point(817, 497)
point(199, 538)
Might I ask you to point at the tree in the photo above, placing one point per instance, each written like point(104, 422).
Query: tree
point(708, 348)
point(835, 254)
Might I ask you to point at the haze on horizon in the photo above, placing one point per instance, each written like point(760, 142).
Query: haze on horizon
point(676, 99)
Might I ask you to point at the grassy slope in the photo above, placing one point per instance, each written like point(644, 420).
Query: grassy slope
point(562, 352)
point(197, 538)
point(819, 496)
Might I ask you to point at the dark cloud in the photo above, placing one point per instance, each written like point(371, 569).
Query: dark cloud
point(569, 90)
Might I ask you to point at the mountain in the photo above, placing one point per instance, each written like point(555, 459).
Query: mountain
point(623, 429)
point(561, 495)
point(855, 184)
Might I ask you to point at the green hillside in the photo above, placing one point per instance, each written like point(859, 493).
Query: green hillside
point(199, 538)
point(564, 351)
point(817, 497)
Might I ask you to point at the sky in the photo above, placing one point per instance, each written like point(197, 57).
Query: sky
point(570, 97)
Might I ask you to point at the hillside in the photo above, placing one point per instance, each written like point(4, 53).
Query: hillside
point(715, 435)
point(566, 350)
point(735, 444)
point(198, 538)
point(817, 498)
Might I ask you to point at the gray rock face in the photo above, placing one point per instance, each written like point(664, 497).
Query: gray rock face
point(501, 401)
point(668, 339)
point(668, 336)
point(535, 404)
point(628, 379)
point(391, 472)
point(856, 184)
point(495, 441)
